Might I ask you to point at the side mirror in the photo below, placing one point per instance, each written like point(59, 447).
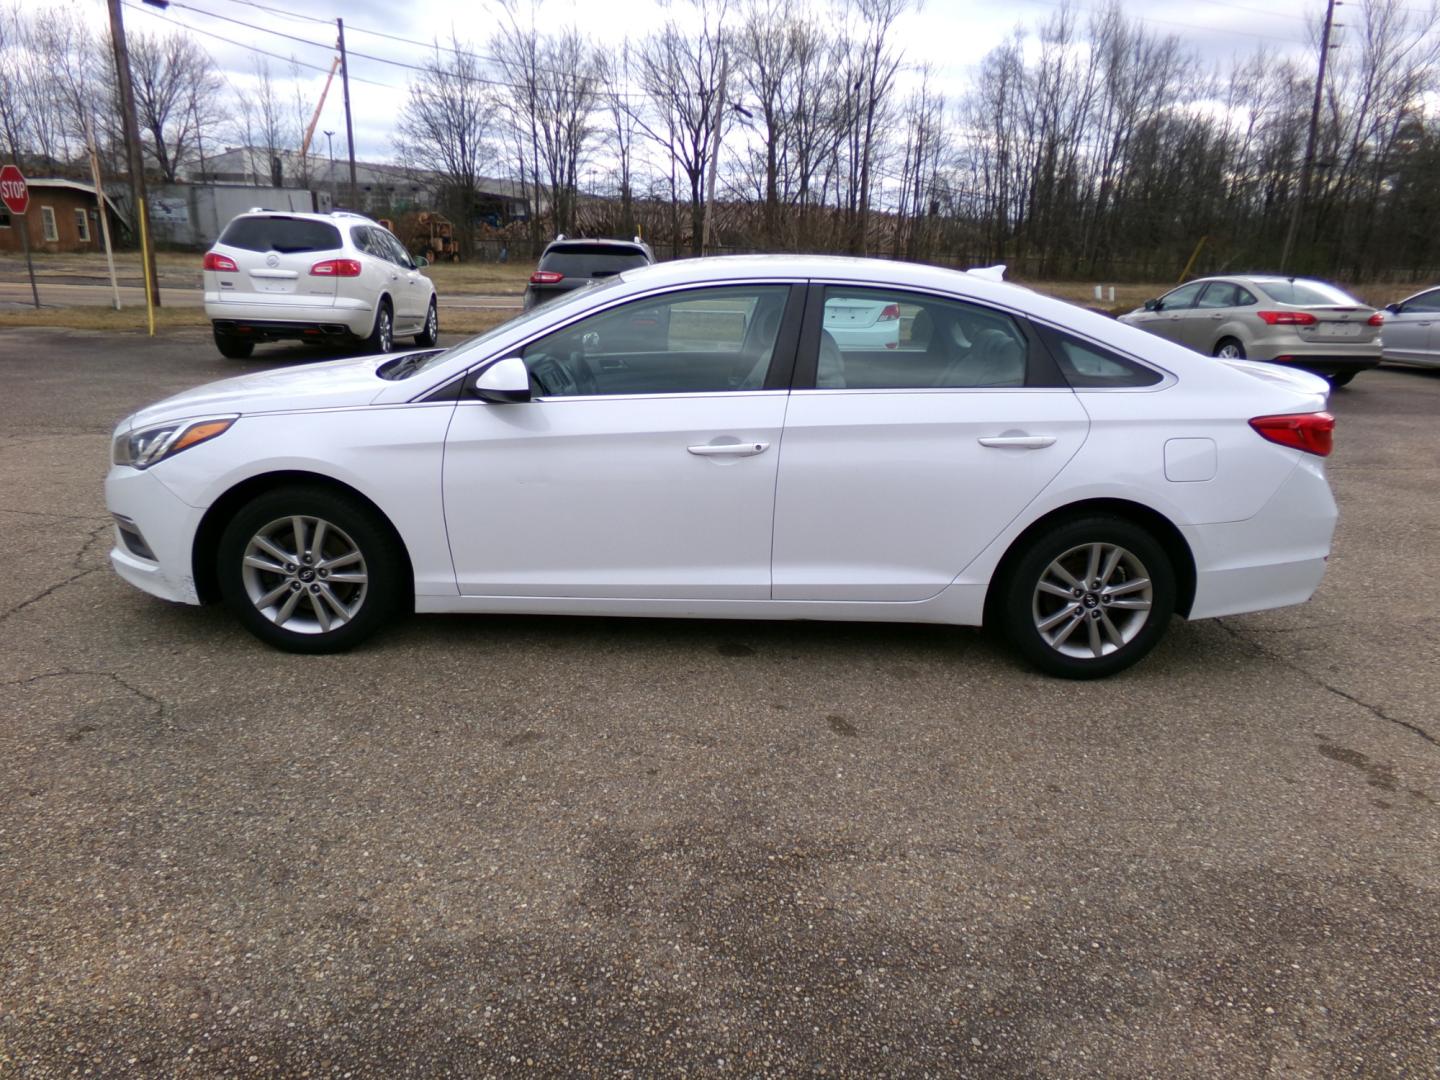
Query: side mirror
point(421, 262)
point(1152, 305)
point(504, 383)
point(1394, 309)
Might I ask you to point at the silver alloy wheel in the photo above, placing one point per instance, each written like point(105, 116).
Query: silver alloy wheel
point(305, 574)
point(1092, 600)
point(1231, 350)
point(386, 332)
point(432, 324)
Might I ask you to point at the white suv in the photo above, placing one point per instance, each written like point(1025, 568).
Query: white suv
point(320, 278)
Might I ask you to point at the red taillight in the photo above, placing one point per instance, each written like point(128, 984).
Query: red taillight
point(222, 263)
point(891, 312)
point(1378, 319)
point(545, 277)
point(336, 268)
point(1287, 318)
point(1312, 432)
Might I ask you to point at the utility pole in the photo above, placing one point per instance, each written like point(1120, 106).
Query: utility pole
point(1308, 166)
point(349, 128)
point(715, 148)
point(132, 147)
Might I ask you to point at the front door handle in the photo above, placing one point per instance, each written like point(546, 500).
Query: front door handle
point(744, 449)
point(1019, 442)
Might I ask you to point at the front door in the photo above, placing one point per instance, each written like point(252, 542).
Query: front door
point(1410, 333)
point(901, 465)
point(645, 465)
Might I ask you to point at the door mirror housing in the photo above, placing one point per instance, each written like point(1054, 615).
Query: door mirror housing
point(421, 262)
point(506, 382)
point(1152, 305)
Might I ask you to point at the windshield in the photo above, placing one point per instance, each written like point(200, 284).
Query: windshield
point(1307, 293)
point(410, 365)
point(282, 234)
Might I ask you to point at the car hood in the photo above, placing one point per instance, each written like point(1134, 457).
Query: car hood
point(327, 385)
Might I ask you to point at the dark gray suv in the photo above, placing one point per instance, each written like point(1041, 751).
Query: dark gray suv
point(572, 264)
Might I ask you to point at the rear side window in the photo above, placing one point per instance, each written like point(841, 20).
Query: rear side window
point(1089, 367)
point(591, 260)
point(282, 234)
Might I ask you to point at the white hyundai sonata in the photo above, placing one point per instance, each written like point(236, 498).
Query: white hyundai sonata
point(689, 440)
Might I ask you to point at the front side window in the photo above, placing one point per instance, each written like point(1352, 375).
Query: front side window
point(1425, 302)
point(883, 339)
point(1183, 297)
point(699, 340)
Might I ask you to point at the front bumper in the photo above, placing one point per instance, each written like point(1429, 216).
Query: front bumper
point(165, 526)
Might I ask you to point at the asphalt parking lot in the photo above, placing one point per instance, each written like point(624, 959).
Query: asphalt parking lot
point(493, 846)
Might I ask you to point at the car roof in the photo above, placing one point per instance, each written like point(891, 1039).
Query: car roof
point(335, 216)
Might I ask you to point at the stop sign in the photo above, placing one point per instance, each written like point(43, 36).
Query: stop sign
point(13, 190)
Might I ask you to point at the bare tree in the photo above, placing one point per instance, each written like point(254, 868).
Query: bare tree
point(680, 74)
point(176, 89)
point(445, 125)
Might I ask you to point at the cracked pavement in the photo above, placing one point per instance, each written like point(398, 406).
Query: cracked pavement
point(485, 847)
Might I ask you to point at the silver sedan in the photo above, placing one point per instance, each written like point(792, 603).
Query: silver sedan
point(1296, 321)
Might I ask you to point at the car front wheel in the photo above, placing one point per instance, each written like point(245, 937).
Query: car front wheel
point(309, 570)
point(1089, 597)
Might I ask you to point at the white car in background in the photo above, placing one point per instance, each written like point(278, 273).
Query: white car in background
point(858, 324)
point(1069, 479)
point(319, 278)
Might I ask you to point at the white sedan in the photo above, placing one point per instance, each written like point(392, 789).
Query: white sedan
point(688, 440)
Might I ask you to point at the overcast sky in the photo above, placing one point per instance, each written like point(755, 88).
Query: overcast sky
point(950, 35)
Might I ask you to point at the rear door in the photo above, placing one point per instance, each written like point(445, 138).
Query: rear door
point(900, 466)
point(274, 255)
point(1219, 304)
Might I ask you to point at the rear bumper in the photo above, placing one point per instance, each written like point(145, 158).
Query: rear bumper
point(270, 319)
point(1273, 559)
point(1329, 364)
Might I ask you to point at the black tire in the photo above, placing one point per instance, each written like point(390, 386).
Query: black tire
point(351, 528)
point(1341, 378)
point(429, 337)
point(1024, 606)
point(233, 348)
point(382, 335)
point(1238, 354)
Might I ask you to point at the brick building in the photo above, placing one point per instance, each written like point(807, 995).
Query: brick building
point(63, 216)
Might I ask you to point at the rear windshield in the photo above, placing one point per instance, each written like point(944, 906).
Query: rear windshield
point(1306, 293)
point(280, 234)
point(591, 260)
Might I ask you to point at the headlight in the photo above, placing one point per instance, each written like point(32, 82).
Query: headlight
point(143, 448)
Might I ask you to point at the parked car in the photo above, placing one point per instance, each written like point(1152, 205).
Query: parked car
point(1047, 470)
point(319, 278)
point(1412, 330)
point(863, 324)
point(567, 264)
point(1297, 321)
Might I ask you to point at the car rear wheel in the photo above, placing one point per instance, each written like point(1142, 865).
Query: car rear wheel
point(233, 348)
point(1229, 349)
point(1088, 598)
point(382, 336)
point(1341, 378)
point(309, 570)
point(430, 336)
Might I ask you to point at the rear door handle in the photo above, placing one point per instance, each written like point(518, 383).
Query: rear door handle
point(1019, 442)
point(744, 449)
